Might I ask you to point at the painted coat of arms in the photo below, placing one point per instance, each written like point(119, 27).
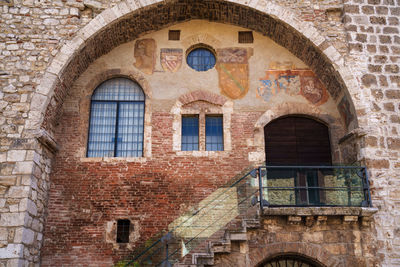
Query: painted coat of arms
point(233, 72)
point(171, 59)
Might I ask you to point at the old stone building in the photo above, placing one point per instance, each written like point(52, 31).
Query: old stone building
point(199, 132)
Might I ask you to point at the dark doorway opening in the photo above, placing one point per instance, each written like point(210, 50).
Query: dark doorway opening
point(289, 261)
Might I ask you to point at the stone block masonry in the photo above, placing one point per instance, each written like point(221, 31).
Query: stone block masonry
point(373, 34)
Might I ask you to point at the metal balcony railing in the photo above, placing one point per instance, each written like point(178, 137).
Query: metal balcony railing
point(270, 186)
point(314, 186)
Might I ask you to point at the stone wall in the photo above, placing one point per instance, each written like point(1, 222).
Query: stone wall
point(33, 33)
point(332, 240)
point(374, 50)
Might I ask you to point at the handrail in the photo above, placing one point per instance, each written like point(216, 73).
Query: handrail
point(302, 192)
point(231, 200)
point(311, 167)
point(197, 211)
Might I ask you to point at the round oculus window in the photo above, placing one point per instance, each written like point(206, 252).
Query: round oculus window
point(201, 59)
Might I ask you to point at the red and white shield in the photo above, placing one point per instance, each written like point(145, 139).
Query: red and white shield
point(171, 59)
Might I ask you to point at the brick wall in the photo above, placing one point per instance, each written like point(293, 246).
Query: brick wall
point(87, 195)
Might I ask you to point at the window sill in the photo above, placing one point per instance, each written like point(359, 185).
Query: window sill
point(202, 153)
point(115, 159)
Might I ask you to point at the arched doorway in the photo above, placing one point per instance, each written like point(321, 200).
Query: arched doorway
point(289, 261)
point(298, 141)
point(295, 140)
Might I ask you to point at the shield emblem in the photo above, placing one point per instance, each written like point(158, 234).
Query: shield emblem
point(171, 59)
point(233, 72)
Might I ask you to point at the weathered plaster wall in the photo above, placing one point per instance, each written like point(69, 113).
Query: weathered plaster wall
point(33, 32)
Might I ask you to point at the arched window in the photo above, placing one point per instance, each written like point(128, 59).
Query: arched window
point(116, 120)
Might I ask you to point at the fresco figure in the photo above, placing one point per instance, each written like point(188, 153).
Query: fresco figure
point(145, 51)
point(293, 82)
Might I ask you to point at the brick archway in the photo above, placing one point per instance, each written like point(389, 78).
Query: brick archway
point(119, 25)
point(336, 127)
point(221, 105)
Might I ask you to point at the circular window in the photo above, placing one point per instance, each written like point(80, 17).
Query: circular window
point(201, 59)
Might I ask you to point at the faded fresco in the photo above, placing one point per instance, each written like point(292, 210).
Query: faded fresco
point(7, 2)
point(292, 82)
point(345, 110)
point(233, 71)
point(145, 55)
point(171, 59)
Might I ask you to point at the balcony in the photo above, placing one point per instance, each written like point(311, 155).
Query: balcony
point(313, 186)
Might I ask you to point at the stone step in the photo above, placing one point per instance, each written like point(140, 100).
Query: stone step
point(252, 223)
point(238, 236)
point(235, 231)
point(200, 259)
point(221, 247)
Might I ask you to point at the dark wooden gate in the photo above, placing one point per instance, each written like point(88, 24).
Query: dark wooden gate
point(299, 141)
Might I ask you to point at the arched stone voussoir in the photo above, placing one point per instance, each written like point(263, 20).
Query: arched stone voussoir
point(314, 252)
point(130, 19)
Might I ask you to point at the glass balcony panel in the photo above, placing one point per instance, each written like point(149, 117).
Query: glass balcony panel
point(314, 186)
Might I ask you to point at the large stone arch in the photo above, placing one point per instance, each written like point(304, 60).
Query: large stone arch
point(129, 19)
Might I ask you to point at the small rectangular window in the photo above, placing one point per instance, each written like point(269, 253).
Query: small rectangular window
point(190, 133)
point(123, 231)
point(214, 133)
point(246, 37)
point(174, 35)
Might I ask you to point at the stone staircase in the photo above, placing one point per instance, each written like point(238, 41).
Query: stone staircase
point(216, 225)
point(234, 234)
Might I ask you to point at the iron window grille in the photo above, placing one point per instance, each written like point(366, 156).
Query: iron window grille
point(116, 124)
point(245, 37)
point(174, 35)
point(123, 229)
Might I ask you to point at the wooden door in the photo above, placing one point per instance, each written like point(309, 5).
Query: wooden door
point(299, 141)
